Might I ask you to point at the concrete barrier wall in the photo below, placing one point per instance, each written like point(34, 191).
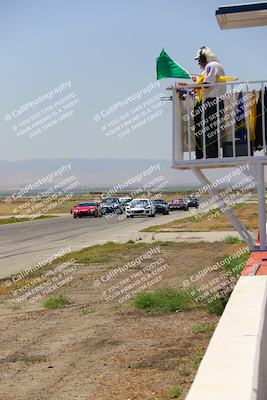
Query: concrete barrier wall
point(234, 366)
point(261, 389)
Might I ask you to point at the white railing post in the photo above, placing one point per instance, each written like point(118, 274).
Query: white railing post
point(263, 119)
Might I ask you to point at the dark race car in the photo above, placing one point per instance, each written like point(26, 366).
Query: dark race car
point(178, 204)
point(161, 206)
point(124, 201)
point(87, 209)
point(111, 205)
point(192, 202)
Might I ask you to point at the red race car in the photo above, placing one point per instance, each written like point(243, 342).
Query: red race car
point(87, 209)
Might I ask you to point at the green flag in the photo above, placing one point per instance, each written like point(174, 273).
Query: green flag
point(167, 68)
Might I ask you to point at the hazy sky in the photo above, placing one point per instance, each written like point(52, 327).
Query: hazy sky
point(107, 50)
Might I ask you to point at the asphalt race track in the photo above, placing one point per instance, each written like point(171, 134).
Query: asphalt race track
point(27, 243)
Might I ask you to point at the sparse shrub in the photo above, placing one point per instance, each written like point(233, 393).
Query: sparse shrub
point(56, 302)
point(217, 306)
point(174, 393)
point(196, 358)
point(163, 299)
point(232, 240)
point(34, 359)
point(206, 327)
point(236, 265)
point(15, 306)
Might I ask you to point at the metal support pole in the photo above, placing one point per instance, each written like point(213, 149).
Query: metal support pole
point(174, 124)
point(257, 170)
point(218, 127)
point(233, 125)
point(261, 200)
point(248, 125)
point(244, 233)
point(188, 122)
point(203, 127)
point(177, 144)
point(263, 119)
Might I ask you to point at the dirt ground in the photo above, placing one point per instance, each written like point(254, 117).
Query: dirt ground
point(98, 350)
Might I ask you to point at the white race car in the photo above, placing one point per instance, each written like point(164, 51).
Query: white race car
point(140, 207)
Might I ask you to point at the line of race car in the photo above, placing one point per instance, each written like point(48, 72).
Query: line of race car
point(131, 207)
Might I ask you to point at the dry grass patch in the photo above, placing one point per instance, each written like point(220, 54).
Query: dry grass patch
point(247, 213)
point(13, 220)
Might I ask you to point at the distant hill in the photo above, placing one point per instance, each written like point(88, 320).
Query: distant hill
point(91, 173)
